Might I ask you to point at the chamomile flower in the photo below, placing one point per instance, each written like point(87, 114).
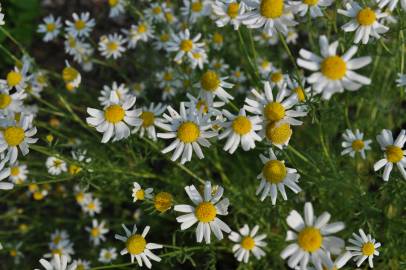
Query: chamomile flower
point(97, 231)
point(50, 28)
point(183, 44)
point(273, 15)
point(247, 242)
point(115, 118)
point(78, 49)
point(81, 196)
point(228, 12)
point(167, 78)
point(140, 194)
point(116, 8)
point(161, 40)
point(238, 76)
point(4, 173)
point(55, 165)
point(58, 262)
point(264, 67)
point(11, 103)
point(150, 117)
point(16, 79)
point(217, 40)
point(219, 65)
point(314, 7)
point(277, 78)
point(333, 73)
point(190, 128)
point(298, 89)
point(365, 247)
point(91, 206)
point(63, 249)
point(81, 26)
point(17, 135)
point(107, 255)
point(240, 129)
point(168, 92)
point(1, 17)
point(142, 31)
point(195, 9)
point(71, 77)
point(155, 13)
point(59, 238)
point(82, 264)
point(354, 142)
point(121, 91)
point(137, 246)
point(365, 21)
point(205, 212)
point(312, 238)
point(18, 173)
point(199, 58)
point(275, 175)
point(401, 80)
point(204, 106)
point(391, 4)
point(211, 85)
point(394, 154)
point(112, 46)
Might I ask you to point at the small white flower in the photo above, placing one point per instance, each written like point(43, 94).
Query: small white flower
point(401, 80)
point(57, 263)
point(71, 77)
point(18, 173)
point(140, 194)
point(16, 79)
point(97, 232)
point(183, 45)
point(4, 173)
point(228, 12)
point(121, 91)
point(112, 46)
point(354, 142)
point(150, 117)
point(211, 85)
point(195, 9)
point(107, 255)
point(55, 165)
point(82, 264)
point(116, 8)
point(91, 206)
point(2, 22)
point(247, 242)
point(81, 26)
point(143, 31)
point(11, 103)
point(365, 247)
point(311, 6)
point(50, 28)
point(205, 213)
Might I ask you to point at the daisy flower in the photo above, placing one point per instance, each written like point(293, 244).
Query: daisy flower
point(116, 8)
point(97, 232)
point(365, 21)
point(168, 92)
point(312, 6)
point(219, 65)
point(55, 165)
point(190, 128)
point(275, 175)
point(163, 201)
point(50, 28)
point(81, 26)
point(199, 58)
point(205, 213)
point(112, 46)
point(204, 106)
point(401, 80)
point(150, 117)
point(274, 15)
point(229, 12)
point(394, 154)
point(82, 264)
point(391, 4)
point(365, 247)
point(333, 73)
point(195, 9)
point(217, 41)
point(107, 255)
point(240, 128)
point(58, 262)
point(18, 173)
point(17, 135)
point(161, 41)
point(211, 85)
point(16, 79)
point(121, 91)
point(264, 67)
point(4, 173)
point(139, 194)
point(184, 44)
point(78, 49)
point(71, 77)
point(113, 121)
point(354, 142)
point(247, 241)
point(238, 76)
point(143, 31)
point(312, 238)
point(11, 103)
point(167, 78)
point(59, 238)
point(91, 206)
point(298, 90)
point(155, 13)
point(62, 250)
point(81, 196)
point(137, 246)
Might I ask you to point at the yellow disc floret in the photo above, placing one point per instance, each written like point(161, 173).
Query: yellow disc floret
point(69, 74)
point(205, 212)
point(278, 134)
point(271, 9)
point(186, 45)
point(366, 16)
point(334, 67)
point(232, 10)
point(368, 249)
point(136, 244)
point(197, 6)
point(50, 27)
point(95, 232)
point(276, 77)
point(112, 46)
point(188, 132)
point(13, 135)
point(394, 153)
point(140, 194)
point(163, 201)
point(241, 125)
point(148, 119)
point(218, 38)
point(310, 239)
point(113, 3)
point(311, 2)
point(274, 111)
point(14, 78)
point(357, 145)
point(114, 114)
point(274, 171)
point(299, 93)
point(210, 81)
point(248, 243)
point(5, 101)
point(80, 24)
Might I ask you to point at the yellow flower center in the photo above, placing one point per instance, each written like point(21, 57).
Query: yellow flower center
point(169, 17)
point(274, 171)
point(72, 42)
point(276, 77)
point(95, 232)
point(140, 194)
point(366, 16)
point(241, 125)
point(248, 243)
point(148, 119)
point(188, 132)
point(205, 212)
point(274, 111)
point(142, 28)
point(164, 37)
point(334, 67)
point(91, 206)
point(163, 201)
point(13, 135)
point(14, 171)
point(50, 27)
point(202, 106)
point(186, 45)
point(278, 134)
point(114, 114)
point(310, 239)
point(265, 64)
point(136, 244)
point(168, 76)
point(80, 196)
point(5, 101)
point(80, 267)
point(38, 195)
point(217, 38)
point(112, 46)
point(300, 93)
point(210, 81)
point(74, 169)
point(113, 3)
point(311, 2)
point(197, 6)
point(232, 10)
point(237, 74)
point(271, 9)
point(13, 253)
point(80, 24)
point(57, 251)
point(157, 10)
point(69, 74)
point(394, 153)
point(368, 249)
point(357, 145)
point(32, 187)
point(14, 78)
